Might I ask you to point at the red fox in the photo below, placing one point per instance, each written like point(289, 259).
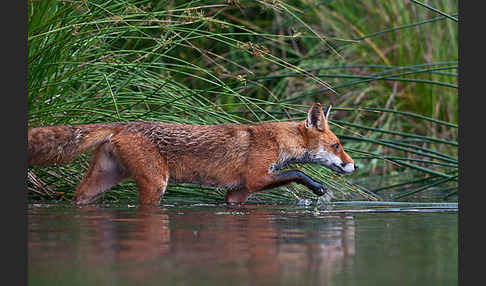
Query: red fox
point(243, 159)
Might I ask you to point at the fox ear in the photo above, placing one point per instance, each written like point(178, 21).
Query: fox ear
point(327, 111)
point(315, 117)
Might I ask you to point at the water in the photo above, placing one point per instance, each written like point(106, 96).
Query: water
point(341, 244)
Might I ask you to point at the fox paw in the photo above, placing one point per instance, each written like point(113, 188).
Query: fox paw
point(320, 191)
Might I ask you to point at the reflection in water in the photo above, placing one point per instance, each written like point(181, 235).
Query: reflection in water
point(258, 244)
point(242, 244)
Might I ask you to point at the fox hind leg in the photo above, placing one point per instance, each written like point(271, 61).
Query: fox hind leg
point(145, 165)
point(150, 188)
point(104, 172)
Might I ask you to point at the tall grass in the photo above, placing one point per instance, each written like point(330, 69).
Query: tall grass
point(388, 67)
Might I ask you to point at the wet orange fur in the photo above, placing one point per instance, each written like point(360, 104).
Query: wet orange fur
point(239, 158)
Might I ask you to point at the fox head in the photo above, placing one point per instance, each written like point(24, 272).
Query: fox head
point(323, 146)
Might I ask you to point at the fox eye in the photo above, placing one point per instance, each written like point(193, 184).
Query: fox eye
point(336, 146)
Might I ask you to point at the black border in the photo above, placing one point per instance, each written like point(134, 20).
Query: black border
point(14, 141)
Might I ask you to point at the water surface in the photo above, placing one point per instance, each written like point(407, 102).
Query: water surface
point(344, 244)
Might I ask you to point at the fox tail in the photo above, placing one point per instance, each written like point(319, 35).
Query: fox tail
point(60, 144)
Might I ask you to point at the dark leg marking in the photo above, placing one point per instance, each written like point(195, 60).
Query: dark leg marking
point(299, 177)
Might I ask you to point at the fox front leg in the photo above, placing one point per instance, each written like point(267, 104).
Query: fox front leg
point(295, 176)
point(274, 180)
point(303, 179)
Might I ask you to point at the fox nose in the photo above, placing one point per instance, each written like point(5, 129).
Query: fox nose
point(348, 165)
point(354, 165)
